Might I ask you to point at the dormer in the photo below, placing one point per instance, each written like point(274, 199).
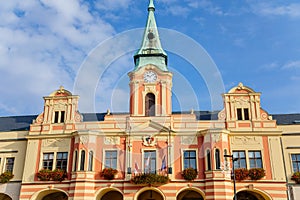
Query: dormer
point(60, 112)
point(242, 109)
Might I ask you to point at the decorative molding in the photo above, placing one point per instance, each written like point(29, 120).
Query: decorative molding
point(112, 140)
point(84, 139)
point(215, 137)
point(264, 116)
point(188, 140)
point(59, 106)
point(222, 115)
point(241, 102)
point(54, 143)
point(247, 140)
point(149, 141)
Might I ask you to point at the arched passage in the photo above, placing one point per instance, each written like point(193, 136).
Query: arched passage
point(252, 195)
point(150, 194)
point(4, 197)
point(109, 194)
point(112, 195)
point(50, 195)
point(189, 194)
point(55, 196)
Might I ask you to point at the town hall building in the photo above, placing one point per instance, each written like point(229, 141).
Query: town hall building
point(151, 152)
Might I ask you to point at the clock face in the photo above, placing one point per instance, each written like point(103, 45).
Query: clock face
point(150, 76)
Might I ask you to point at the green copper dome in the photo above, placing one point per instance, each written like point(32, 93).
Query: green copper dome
point(151, 51)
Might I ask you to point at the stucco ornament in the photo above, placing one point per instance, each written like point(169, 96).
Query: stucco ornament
point(149, 141)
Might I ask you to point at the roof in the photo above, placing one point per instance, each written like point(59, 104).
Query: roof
point(287, 119)
point(16, 123)
point(22, 123)
point(151, 51)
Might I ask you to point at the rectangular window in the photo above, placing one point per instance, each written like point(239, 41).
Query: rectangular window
point(150, 162)
point(48, 160)
point(189, 159)
point(296, 162)
point(59, 117)
point(56, 116)
point(111, 159)
point(241, 162)
point(246, 114)
point(62, 160)
point(9, 166)
point(242, 114)
point(255, 159)
point(62, 116)
point(239, 114)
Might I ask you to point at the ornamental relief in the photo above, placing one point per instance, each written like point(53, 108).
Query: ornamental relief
point(247, 140)
point(215, 137)
point(84, 139)
point(54, 143)
point(242, 102)
point(188, 140)
point(112, 140)
point(149, 141)
point(59, 106)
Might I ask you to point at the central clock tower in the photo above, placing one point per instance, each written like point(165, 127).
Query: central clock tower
point(150, 81)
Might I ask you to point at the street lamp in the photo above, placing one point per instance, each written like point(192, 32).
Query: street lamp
point(234, 187)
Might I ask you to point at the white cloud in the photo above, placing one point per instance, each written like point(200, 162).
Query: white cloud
point(268, 9)
point(292, 65)
point(206, 5)
point(113, 5)
point(178, 10)
point(270, 66)
point(42, 45)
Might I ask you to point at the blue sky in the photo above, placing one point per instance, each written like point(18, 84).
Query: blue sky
point(43, 44)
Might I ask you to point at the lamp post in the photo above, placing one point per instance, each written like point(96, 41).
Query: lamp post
point(234, 187)
point(169, 152)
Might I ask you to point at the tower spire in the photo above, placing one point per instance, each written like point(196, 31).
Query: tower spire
point(151, 5)
point(151, 51)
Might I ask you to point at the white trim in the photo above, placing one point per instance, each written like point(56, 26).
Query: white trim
point(143, 159)
point(73, 161)
point(291, 160)
point(215, 160)
point(182, 157)
point(205, 158)
point(103, 159)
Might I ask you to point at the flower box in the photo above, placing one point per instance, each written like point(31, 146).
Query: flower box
point(241, 174)
point(149, 179)
point(55, 175)
point(44, 174)
point(5, 177)
point(189, 174)
point(296, 177)
point(109, 173)
point(256, 173)
point(58, 175)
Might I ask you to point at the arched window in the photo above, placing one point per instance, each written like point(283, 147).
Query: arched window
point(91, 159)
point(217, 159)
point(82, 160)
point(75, 161)
point(208, 159)
point(150, 105)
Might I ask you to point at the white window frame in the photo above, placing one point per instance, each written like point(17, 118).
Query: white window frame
point(291, 161)
point(206, 163)
point(243, 113)
point(59, 116)
point(143, 158)
point(110, 149)
point(54, 158)
point(182, 157)
point(247, 156)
